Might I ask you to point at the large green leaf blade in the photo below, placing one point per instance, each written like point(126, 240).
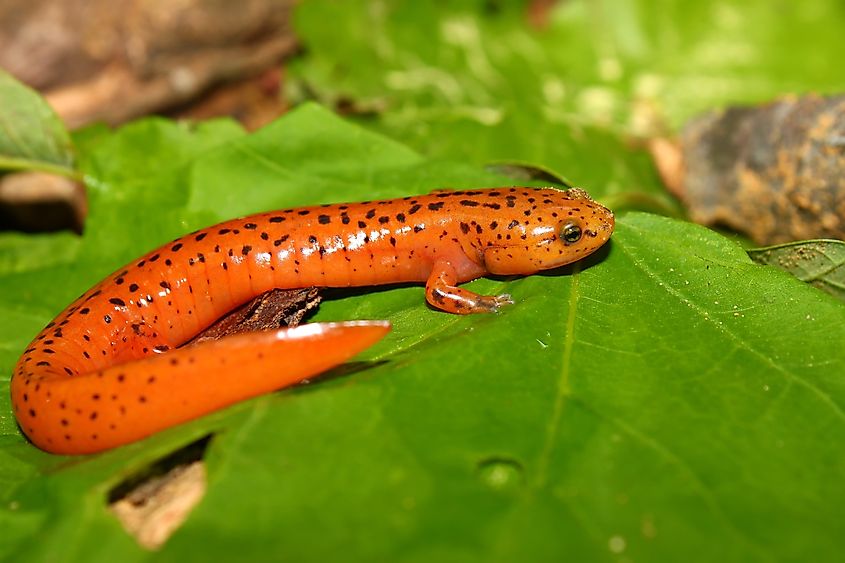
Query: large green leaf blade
point(662, 401)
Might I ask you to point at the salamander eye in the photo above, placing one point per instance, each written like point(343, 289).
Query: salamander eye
point(570, 233)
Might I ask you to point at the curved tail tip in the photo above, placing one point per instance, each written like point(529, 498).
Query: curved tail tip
point(317, 329)
point(352, 334)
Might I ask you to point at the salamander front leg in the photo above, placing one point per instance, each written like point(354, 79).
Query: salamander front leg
point(441, 292)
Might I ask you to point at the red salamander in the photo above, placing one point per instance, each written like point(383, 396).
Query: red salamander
point(109, 371)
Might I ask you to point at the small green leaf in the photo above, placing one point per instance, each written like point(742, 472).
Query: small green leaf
point(821, 263)
point(32, 137)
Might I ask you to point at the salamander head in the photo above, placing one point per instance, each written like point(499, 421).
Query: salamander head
point(543, 229)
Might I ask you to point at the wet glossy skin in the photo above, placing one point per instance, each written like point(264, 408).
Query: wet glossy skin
point(104, 372)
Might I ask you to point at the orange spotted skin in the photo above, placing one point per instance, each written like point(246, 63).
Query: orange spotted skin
point(105, 372)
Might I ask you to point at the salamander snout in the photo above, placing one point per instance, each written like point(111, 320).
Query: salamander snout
point(552, 228)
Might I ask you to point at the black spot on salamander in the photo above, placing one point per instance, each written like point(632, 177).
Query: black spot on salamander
point(155, 257)
point(95, 294)
point(107, 318)
point(418, 228)
point(510, 200)
point(312, 239)
point(370, 214)
point(435, 206)
point(200, 236)
point(468, 203)
point(392, 241)
point(414, 208)
point(201, 257)
point(279, 241)
point(265, 236)
point(246, 249)
point(464, 228)
point(119, 281)
point(141, 263)
point(224, 231)
point(43, 363)
point(495, 206)
point(362, 225)
point(527, 212)
point(176, 247)
point(494, 225)
point(303, 212)
point(400, 217)
point(133, 287)
point(276, 219)
point(513, 224)
point(344, 218)
point(384, 219)
point(250, 226)
point(84, 311)
point(478, 229)
point(324, 219)
point(117, 301)
point(494, 193)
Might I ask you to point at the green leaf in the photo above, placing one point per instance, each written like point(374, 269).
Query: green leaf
point(666, 400)
point(821, 263)
point(32, 137)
